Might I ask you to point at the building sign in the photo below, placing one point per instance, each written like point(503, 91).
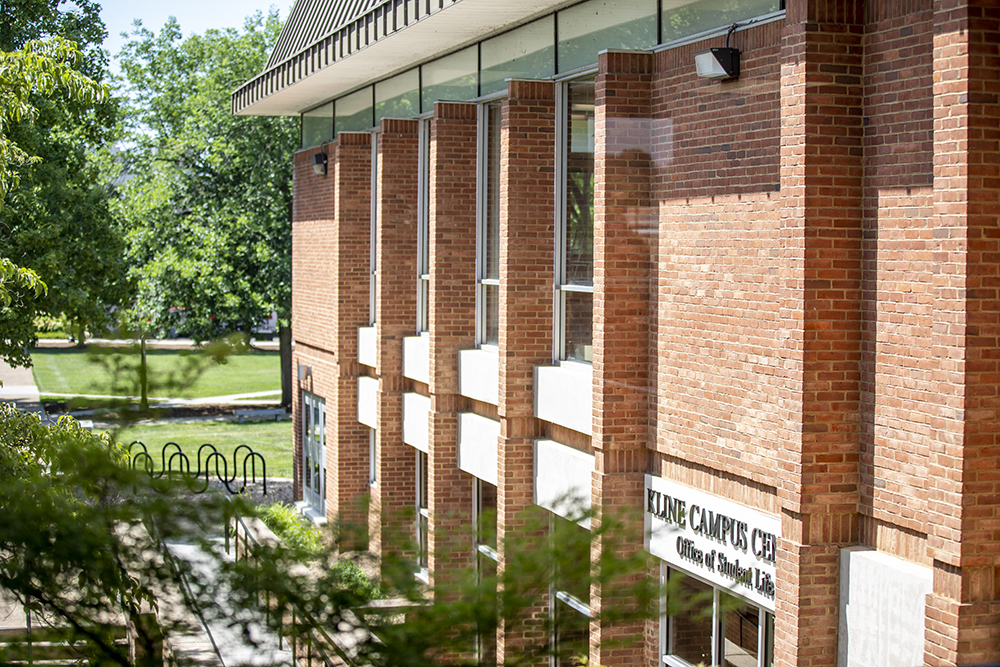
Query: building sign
point(720, 541)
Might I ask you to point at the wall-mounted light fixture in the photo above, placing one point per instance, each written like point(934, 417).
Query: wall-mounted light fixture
point(719, 62)
point(319, 163)
point(305, 372)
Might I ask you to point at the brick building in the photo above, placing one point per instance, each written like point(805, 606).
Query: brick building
point(536, 253)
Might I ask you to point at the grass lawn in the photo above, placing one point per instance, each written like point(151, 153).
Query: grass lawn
point(172, 373)
point(272, 440)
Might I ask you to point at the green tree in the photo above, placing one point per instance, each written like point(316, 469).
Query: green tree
point(36, 71)
point(208, 199)
point(57, 221)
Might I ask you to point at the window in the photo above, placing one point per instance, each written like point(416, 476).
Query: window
point(354, 112)
point(589, 27)
point(373, 236)
point(717, 628)
point(317, 125)
point(372, 460)
point(570, 605)
point(575, 224)
point(314, 451)
point(423, 227)
point(423, 516)
point(488, 263)
point(485, 522)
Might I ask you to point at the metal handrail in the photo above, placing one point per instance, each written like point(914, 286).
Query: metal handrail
point(312, 643)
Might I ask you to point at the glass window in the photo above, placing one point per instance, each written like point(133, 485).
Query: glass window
point(485, 522)
point(423, 227)
point(353, 113)
point(571, 583)
point(314, 451)
point(423, 515)
point(398, 97)
point(525, 52)
point(372, 458)
point(373, 237)
point(709, 626)
point(452, 78)
point(317, 125)
point(575, 272)
point(489, 225)
point(593, 26)
point(682, 18)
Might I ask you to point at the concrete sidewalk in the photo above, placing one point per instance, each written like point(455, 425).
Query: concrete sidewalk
point(19, 388)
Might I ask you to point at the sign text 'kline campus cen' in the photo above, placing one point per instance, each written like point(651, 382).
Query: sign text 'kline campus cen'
point(728, 544)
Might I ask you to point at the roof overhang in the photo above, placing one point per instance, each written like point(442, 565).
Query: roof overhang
point(387, 40)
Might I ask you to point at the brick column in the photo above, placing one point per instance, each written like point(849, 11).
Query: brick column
point(337, 306)
point(963, 614)
point(313, 231)
point(821, 190)
point(452, 236)
point(395, 318)
point(624, 222)
point(527, 238)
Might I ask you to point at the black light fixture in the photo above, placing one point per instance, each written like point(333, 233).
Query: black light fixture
point(319, 163)
point(719, 62)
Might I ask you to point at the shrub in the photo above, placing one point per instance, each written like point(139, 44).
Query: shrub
point(292, 529)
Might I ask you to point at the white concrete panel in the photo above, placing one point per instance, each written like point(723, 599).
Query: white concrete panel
point(564, 395)
point(416, 413)
point(417, 358)
point(477, 446)
point(881, 610)
point(563, 478)
point(368, 401)
point(479, 374)
point(366, 346)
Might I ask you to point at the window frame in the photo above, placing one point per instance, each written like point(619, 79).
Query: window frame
point(423, 225)
point(483, 281)
point(373, 236)
point(422, 518)
point(313, 421)
point(765, 632)
point(562, 287)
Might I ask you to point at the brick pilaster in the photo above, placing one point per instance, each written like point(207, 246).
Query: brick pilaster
point(527, 237)
point(395, 318)
point(624, 226)
point(821, 190)
point(964, 609)
point(452, 241)
point(346, 438)
point(313, 228)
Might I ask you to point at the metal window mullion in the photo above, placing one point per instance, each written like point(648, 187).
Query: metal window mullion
point(423, 223)
point(558, 322)
point(373, 235)
point(482, 146)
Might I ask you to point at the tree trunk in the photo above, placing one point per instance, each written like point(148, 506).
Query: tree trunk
point(81, 332)
point(285, 351)
point(143, 377)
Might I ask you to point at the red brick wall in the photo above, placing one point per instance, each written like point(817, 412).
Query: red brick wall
point(527, 240)
point(624, 228)
point(452, 245)
point(396, 313)
point(899, 266)
point(722, 384)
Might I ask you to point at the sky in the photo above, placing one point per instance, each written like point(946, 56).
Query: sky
point(194, 16)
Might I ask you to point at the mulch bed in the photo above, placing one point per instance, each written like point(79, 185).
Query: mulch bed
point(184, 411)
